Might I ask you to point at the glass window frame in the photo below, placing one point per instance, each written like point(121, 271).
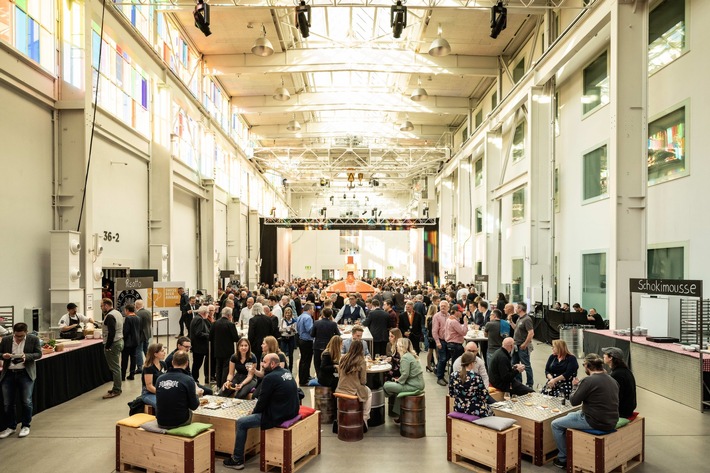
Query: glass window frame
point(522, 125)
point(604, 290)
point(686, 35)
point(478, 119)
point(520, 65)
point(585, 87)
point(585, 154)
point(683, 245)
point(521, 219)
point(476, 163)
point(685, 104)
point(478, 220)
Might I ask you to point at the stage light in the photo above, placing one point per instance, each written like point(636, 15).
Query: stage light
point(303, 18)
point(499, 19)
point(202, 17)
point(398, 19)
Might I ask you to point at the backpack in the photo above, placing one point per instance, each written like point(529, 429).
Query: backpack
point(136, 406)
point(504, 328)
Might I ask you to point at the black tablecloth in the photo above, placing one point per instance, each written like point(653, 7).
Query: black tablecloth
point(595, 341)
point(544, 332)
point(67, 375)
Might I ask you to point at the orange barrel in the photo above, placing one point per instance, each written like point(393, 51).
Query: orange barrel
point(413, 417)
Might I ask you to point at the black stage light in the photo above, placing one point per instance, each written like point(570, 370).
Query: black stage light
point(303, 18)
point(398, 18)
point(202, 17)
point(499, 19)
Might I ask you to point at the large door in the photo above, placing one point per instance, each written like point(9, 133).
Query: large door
point(184, 252)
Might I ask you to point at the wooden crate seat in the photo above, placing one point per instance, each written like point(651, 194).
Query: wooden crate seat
point(291, 448)
point(617, 451)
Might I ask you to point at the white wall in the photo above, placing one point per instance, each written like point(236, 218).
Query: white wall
point(25, 202)
point(184, 252)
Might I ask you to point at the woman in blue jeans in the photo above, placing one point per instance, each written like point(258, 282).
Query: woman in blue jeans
point(153, 367)
point(288, 336)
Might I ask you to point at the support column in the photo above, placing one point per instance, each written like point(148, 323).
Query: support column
point(207, 278)
point(492, 164)
point(234, 258)
point(628, 172)
point(540, 192)
point(254, 249)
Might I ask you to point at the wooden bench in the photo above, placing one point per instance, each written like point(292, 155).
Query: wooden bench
point(158, 453)
point(618, 451)
point(289, 449)
point(482, 449)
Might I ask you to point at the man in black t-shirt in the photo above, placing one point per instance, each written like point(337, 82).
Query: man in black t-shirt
point(614, 358)
point(175, 394)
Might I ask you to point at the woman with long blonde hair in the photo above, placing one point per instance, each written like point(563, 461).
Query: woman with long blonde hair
point(411, 376)
point(329, 362)
point(560, 370)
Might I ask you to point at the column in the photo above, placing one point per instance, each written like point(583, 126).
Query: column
point(207, 277)
point(492, 165)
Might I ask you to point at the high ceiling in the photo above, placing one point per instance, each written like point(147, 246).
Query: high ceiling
point(350, 81)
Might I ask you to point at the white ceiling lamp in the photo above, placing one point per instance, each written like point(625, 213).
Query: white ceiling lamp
point(439, 47)
point(406, 125)
point(262, 46)
point(281, 94)
point(419, 94)
point(293, 125)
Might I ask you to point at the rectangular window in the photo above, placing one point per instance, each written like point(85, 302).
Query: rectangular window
point(666, 147)
point(479, 220)
point(666, 263)
point(349, 242)
point(29, 27)
point(494, 100)
point(519, 205)
point(518, 285)
point(478, 172)
point(666, 33)
point(464, 135)
point(519, 71)
point(594, 282)
point(557, 113)
point(595, 173)
point(596, 84)
point(518, 149)
point(479, 119)
point(479, 267)
point(556, 189)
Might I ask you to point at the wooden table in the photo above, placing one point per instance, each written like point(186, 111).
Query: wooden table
point(224, 421)
point(537, 439)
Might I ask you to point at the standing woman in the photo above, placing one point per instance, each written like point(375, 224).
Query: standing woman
point(153, 367)
point(501, 302)
point(240, 380)
point(330, 359)
point(431, 354)
point(560, 369)
point(411, 374)
point(353, 376)
point(467, 389)
point(322, 331)
point(288, 335)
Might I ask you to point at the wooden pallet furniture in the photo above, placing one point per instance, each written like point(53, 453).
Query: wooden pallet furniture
point(481, 449)
point(618, 451)
point(290, 449)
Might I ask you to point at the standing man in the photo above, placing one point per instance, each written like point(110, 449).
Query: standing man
point(352, 311)
point(378, 321)
point(112, 333)
point(245, 314)
point(438, 328)
point(510, 316)
point(394, 317)
point(485, 312)
point(146, 332)
point(200, 337)
point(131, 341)
point(260, 327)
point(223, 336)
point(278, 402)
point(523, 337)
point(19, 352)
point(410, 324)
point(492, 330)
point(599, 395)
point(70, 323)
point(185, 315)
point(420, 309)
point(454, 333)
point(304, 324)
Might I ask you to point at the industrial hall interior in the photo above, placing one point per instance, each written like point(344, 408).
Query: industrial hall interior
point(536, 153)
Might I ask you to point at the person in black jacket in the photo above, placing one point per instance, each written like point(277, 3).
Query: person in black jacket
point(131, 340)
point(614, 358)
point(322, 331)
point(185, 315)
point(176, 394)
point(260, 326)
point(328, 373)
point(379, 323)
point(200, 337)
point(277, 403)
point(223, 336)
point(501, 372)
point(410, 324)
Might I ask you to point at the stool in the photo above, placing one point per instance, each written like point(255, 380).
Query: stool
point(412, 420)
point(619, 450)
point(479, 448)
point(148, 409)
point(350, 419)
point(325, 403)
point(163, 453)
point(291, 448)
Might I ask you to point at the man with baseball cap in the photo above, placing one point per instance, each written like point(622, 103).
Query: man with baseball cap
point(614, 359)
point(70, 323)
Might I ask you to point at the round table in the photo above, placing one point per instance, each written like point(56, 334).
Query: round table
point(375, 381)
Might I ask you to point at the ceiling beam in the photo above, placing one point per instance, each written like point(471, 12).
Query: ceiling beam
point(360, 100)
point(313, 130)
point(352, 59)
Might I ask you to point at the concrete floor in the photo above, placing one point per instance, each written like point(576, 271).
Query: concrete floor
point(79, 436)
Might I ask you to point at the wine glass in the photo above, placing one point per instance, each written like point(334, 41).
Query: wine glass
point(506, 397)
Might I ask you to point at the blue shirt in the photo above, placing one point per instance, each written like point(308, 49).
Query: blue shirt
point(304, 325)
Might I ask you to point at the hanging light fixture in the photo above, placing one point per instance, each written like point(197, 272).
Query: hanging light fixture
point(281, 94)
point(262, 46)
point(293, 125)
point(439, 47)
point(406, 125)
point(419, 94)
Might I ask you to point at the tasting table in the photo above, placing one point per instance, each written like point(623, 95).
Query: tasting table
point(534, 414)
point(480, 338)
point(224, 420)
point(346, 333)
point(375, 381)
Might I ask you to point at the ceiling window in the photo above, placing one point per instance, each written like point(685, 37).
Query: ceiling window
point(667, 147)
point(28, 25)
point(596, 174)
point(666, 34)
point(596, 84)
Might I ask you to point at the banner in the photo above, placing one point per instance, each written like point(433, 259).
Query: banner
point(164, 301)
point(129, 290)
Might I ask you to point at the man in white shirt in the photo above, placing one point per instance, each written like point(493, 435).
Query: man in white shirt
point(71, 323)
point(351, 311)
point(245, 314)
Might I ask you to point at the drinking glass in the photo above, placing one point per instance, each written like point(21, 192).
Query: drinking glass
point(506, 397)
point(514, 397)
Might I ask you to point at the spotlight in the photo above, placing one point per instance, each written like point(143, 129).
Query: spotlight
point(499, 19)
point(398, 18)
point(303, 18)
point(202, 17)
